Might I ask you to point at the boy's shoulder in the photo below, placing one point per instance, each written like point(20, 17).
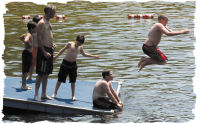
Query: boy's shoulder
point(70, 43)
point(158, 24)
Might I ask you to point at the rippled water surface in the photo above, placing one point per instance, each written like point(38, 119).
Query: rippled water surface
point(156, 94)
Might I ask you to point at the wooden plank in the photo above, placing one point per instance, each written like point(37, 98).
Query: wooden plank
point(14, 97)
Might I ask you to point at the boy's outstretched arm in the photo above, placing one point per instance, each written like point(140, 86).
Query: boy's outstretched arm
point(88, 55)
point(169, 32)
point(62, 50)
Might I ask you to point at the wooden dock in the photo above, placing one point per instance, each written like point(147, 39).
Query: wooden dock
point(15, 97)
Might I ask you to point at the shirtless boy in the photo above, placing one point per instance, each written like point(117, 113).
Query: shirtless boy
point(69, 66)
point(27, 53)
point(102, 89)
point(35, 48)
point(45, 51)
point(150, 45)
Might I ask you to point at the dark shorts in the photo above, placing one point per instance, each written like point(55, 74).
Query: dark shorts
point(104, 103)
point(44, 65)
point(154, 53)
point(67, 68)
point(26, 61)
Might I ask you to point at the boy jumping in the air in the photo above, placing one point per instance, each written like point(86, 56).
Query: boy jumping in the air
point(150, 45)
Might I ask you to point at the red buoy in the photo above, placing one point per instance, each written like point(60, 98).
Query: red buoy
point(60, 17)
point(140, 16)
point(26, 17)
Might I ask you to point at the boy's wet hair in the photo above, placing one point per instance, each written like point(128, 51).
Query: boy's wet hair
point(36, 18)
point(49, 8)
point(80, 39)
point(31, 25)
point(162, 16)
point(106, 73)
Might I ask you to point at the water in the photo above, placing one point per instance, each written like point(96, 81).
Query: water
point(156, 94)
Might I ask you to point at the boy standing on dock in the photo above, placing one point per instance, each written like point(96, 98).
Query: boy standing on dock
point(35, 48)
point(45, 51)
point(150, 45)
point(69, 66)
point(102, 89)
point(27, 53)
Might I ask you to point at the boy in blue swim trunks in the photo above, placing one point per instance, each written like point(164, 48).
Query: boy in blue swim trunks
point(150, 45)
point(69, 66)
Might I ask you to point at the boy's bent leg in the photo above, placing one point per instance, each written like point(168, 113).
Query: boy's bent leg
point(147, 61)
point(150, 61)
point(104, 103)
point(56, 89)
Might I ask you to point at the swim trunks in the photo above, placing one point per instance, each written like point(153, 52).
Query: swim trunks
point(67, 68)
point(154, 53)
point(104, 103)
point(26, 61)
point(44, 65)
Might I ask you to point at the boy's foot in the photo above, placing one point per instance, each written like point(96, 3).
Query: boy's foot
point(36, 98)
point(74, 98)
point(141, 64)
point(141, 60)
point(26, 87)
point(54, 95)
point(46, 97)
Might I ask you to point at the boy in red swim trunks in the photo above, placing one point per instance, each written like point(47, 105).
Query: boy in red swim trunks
point(69, 66)
point(150, 45)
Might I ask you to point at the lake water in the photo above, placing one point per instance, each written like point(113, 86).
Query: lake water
point(156, 94)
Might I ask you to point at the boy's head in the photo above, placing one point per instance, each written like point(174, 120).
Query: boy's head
point(80, 39)
point(31, 26)
point(163, 19)
point(107, 74)
point(36, 18)
point(50, 11)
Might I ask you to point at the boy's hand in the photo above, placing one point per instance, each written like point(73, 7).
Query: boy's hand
point(97, 56)
point(47, 55)
point(186, 31)
point(120, 107)
point(121, 103)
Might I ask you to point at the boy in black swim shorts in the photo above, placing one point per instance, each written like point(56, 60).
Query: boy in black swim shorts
point(46, 48)
point(104, 96)
point(27, 53)
point(44, 65)
point(69, 66)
